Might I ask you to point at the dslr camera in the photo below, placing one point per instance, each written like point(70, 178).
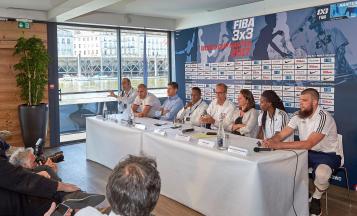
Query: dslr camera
point(38, 152)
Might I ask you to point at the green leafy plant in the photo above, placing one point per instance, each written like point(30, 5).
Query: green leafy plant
point(32, 67)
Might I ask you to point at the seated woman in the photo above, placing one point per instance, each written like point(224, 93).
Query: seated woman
point(246, 117)
point(272, 118)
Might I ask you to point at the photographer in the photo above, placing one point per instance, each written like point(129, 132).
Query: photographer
point(27, 159)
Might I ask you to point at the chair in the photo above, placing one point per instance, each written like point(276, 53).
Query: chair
point(341, 168)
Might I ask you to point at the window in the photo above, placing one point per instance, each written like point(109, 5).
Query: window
point(132, 58)
point(158, 62)
point(91, 71)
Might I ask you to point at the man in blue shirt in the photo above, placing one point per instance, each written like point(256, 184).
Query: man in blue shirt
point(172, 104)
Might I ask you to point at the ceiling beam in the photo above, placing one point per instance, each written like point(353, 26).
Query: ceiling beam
point(247, 10)
point(74, 8)
point(22, 13)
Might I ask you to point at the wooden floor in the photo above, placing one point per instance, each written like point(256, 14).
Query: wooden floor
point(92, 177)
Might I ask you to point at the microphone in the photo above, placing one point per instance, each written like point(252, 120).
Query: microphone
point(187, 130)
point(257, 149)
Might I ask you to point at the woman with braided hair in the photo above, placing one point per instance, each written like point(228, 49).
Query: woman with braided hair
point(272, 118)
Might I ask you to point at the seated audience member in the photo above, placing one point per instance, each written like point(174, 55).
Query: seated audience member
point(26, 159)
point(318, 134)
point(172, 104)
point(145, 104)
point(24, 193)
point(219, 108)
point(194, 109)
point(245, 119)
point(126, 96)
point(272, 118)
point(133, 188)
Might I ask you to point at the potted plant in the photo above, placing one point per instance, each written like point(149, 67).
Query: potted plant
point(32, 80)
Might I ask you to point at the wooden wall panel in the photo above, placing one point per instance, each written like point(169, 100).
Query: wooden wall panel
point(9, 92)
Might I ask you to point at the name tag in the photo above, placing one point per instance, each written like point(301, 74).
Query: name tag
point(206, 143)
point(237, 150)
point(160, 132)
point(140, 126)
point(182, 138)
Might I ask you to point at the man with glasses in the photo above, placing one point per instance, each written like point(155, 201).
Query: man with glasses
point(219, 108)
point(126, 96)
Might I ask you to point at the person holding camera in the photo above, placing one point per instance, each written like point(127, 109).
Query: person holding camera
point(25, 193)
point(27, 159)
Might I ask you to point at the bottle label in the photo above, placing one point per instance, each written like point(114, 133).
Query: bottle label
point(219, 141)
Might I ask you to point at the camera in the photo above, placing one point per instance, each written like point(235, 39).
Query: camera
point(56, 157)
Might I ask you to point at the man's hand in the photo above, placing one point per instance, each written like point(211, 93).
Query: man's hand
point(189, 104)
point(236, 127)
point(44, 174)
point(51, 164)
point(269, 143)
point(164, 112)
point(53, 208)
point(111, 94)
point(207, 119)
point(140, 115)
point(65, 187)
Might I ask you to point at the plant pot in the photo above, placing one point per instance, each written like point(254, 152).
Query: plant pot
point(33, 122)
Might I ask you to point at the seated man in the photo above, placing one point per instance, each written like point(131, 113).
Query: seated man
point(318, 134)
point(26, 159)
point(172, 104)
point(145, 104)
point(133, 188)
point(194, 109)
point(126, 96)
point(219, 108)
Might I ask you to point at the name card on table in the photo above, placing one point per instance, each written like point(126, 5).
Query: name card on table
point(237, 150)
point(182, 138)
point(160, 132)
point(206, 143)
point(140, 126)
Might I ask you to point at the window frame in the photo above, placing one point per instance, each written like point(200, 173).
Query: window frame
point(118, 31)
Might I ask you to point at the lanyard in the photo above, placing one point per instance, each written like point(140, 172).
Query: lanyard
point(126, 95)
point(189, 114)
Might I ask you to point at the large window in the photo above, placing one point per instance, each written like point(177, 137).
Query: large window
point(140, 47)
point(88, 67)
point(87, 59)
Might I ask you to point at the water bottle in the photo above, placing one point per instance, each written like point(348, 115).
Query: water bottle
point(203, 115)
point(131, 117)
point(105, 111)
point(221, 135)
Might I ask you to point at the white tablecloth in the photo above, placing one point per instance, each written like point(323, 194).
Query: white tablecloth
point(211, 181)
point(107, 142)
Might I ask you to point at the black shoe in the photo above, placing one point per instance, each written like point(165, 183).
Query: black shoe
point(315, 207)
point(80, 199)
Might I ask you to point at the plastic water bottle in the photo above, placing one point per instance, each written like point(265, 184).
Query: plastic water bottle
point(203, 115)
point(105, 111)
point(131, 118)
point(221, 135)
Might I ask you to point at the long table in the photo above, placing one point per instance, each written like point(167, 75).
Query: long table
point(211, 181)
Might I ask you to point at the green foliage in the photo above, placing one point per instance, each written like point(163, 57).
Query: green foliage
point(32, 67)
